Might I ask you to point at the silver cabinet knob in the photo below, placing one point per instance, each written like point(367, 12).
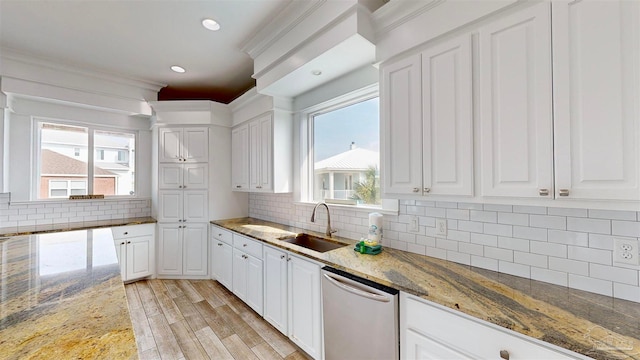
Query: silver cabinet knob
point(504, 354)
point(219, 244)
point(179, 220)
point(415, 190)
point(282, 257)
point(543, 192)
point(244, 245)
point(126, 233)
point(427, 190)
point(238, 186)
point(122, 243)
point(128, 242)
point(563, 192)
point(184, 220)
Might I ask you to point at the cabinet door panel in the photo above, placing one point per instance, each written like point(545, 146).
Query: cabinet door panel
point(275, 288)
point(169, 176)
point(254, 284)
point(222, 257)
point(195, 144)
point(195, 205)
point(447, 118)
point(239, 274)
point(196, 176)
point(402, 126)
point(169, 250)
point(266, 153)
point(255, 155)
point(170, 204)
point(170, 145)
point(515, 104)
point(305, 325)
point(140, 257)
point(240, 158)
point(597, 98)
point(418, 346)
point(194, 240)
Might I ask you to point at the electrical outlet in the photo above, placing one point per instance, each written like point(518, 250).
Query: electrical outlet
point(441, 227)
point(414, 224)
point(625, 251)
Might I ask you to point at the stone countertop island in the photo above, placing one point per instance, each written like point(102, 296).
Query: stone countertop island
point(597, 326)
point(62, 297)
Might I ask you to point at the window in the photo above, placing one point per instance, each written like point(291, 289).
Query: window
point(345, 148)
point(64, 164)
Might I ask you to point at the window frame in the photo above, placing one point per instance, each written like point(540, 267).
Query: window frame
point(91, 149)
point(306, 136)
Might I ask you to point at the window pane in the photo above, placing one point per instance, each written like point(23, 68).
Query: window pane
point(58, 160)
point(58, 192)
point(78, 184)
point(346, 154)
point(114, 164)
point(78, 192)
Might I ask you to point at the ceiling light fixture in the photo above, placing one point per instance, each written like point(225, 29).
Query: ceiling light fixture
point(211, 24)
point(316, 72)
point(178, 69)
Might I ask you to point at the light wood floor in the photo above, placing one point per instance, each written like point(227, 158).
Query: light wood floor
point(200, 319)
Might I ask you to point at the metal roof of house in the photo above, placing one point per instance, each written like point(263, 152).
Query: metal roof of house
point(354, 159)
point(54, 163)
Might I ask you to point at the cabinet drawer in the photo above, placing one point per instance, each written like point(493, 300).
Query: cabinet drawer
point(247, 245)
point(443, 327)
point(221, 234)
point(131, 231)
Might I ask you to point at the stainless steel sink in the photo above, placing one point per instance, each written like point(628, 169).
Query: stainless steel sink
point(312, 242)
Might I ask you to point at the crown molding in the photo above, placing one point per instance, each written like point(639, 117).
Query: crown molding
point(397, 12)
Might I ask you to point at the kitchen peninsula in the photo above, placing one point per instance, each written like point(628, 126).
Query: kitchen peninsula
point(62, 295)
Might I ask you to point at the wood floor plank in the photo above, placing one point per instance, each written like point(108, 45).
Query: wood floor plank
point(151, 354)
point(167, 305)
point(191, 347)
point(213, 345)
point(215, 320)
point(168, 347)
point(142, 330)
point(271, 335)
point(147, 298)
point(205, 288)
point(265, 352)
point(172, 288)
point(133, 298)
point(298, 355)
point(191, 293)
point(190, 313)
point(238, 349)
point(239, 326)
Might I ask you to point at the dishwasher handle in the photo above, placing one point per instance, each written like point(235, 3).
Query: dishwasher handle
point(354, 290)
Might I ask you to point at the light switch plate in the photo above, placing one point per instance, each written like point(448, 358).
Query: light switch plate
point(414, 224)
point(441, 227)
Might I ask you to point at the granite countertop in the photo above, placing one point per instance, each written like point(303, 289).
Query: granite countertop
point(62, 297)
point(597, 326)
point(42, 229)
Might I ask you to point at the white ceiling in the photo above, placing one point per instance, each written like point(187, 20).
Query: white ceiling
point(141, 39)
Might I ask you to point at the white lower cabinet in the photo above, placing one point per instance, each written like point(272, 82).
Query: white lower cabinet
point(247, 272)
point(222, 256)
point(275, 288)
point(182, 250)
point(135, 246)
point(429, 331)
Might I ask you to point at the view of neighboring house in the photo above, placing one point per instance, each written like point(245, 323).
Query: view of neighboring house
point(336, 176)
point(64, 162)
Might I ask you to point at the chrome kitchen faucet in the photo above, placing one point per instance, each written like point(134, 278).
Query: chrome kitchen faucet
point(313, 218)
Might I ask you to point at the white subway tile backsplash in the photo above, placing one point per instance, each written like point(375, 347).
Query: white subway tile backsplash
point(625, 228)
point(525, 232)
point(548, 222)
point(550, 276)
point(615, 274)
point(568, 237)
point(626, 292)
point(541, 243)
point(589, 225)
point(597, 286)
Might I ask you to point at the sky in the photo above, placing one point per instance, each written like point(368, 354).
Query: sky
point(334, 131)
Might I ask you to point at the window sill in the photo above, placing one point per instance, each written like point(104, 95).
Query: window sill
point(389, 207)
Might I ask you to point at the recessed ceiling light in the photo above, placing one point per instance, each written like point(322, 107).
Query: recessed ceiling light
point(178, 69)
point(211, 24)
point(316, 72)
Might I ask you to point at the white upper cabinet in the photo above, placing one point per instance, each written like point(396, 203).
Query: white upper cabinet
point(596, 50)
point(427, 121)
point(447, 118)
point(183, 206)
point(240, 157)
point(262, 154)
point(183, 176)
point(515, 105)
point(402, 126)
point(184, 144)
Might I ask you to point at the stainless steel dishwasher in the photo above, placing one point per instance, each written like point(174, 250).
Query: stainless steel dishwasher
point(360, 318)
